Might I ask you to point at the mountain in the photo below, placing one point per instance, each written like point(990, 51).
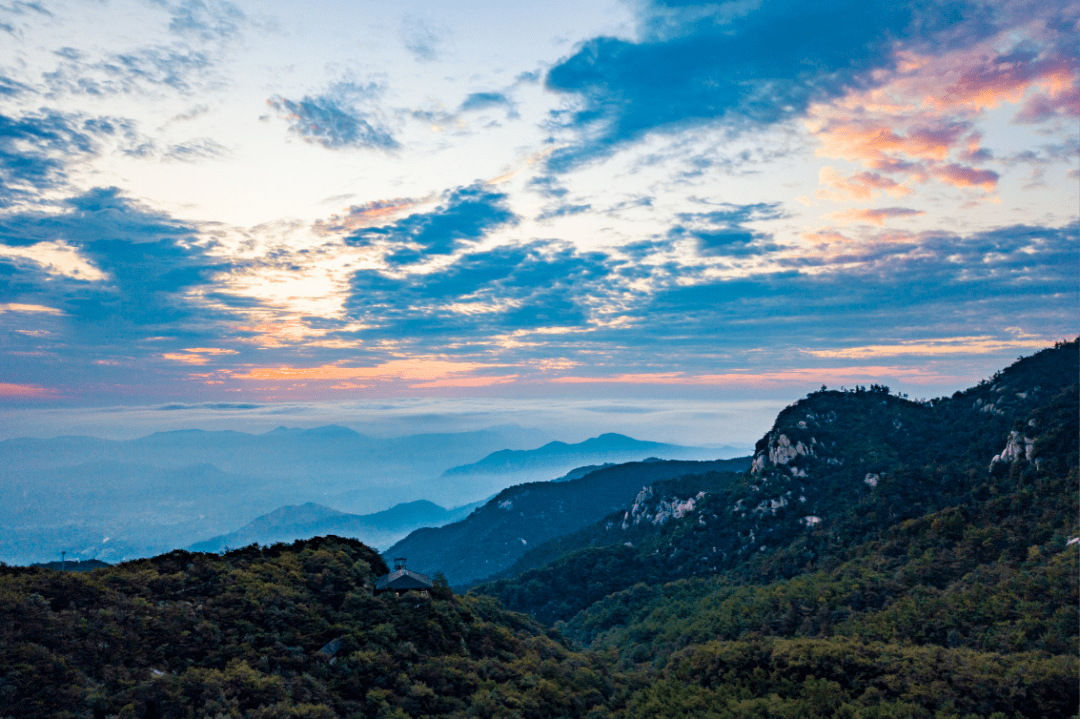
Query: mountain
point(73, 566)
point(579, 472)
point(293, 522)
point(121, 499)
point(837, 469)
point(880, 558)
point(609, 447)
point(330, 456)
point(496, 535)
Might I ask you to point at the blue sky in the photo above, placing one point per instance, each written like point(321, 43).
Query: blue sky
point(341, 202)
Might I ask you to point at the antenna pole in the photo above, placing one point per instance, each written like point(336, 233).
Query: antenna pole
point(63, 559)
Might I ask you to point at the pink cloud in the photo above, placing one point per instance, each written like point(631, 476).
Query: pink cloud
point(919, 124)
point(24, 391)
point(858, 187)
point(876, 216)
point(417, 369)
point(369, 214)
point(961, 176)
point(1041, 107)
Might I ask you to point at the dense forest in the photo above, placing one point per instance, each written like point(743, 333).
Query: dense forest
point(883, 558)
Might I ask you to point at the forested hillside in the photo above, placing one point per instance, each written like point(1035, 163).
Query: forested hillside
point(497, 534)
point(915, 557)
point(284, 631)
point(837, 469)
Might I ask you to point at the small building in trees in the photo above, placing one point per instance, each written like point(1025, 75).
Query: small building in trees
point(402, 581)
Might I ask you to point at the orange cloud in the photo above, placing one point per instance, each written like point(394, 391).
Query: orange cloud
point(210, 350)
point(195, 354)
point(920, 122)
point(467, 381)
point(185, 358)
point(859, 187)
point(961, 176)
point(875, 216)
point(928, 348)
point(827, 375)
point(418, 370)
point(370, 214)
point(24, 391)
point(16, 307)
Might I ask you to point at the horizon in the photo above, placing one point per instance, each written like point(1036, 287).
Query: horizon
point(705, 423)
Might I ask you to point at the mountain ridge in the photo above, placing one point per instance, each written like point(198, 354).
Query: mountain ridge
point(304, 521)
point(496, 534)
point(609, 445)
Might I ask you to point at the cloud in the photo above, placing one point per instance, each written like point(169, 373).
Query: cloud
point(141, 70)
point(706, 64)
point(14, 12)
point(983, 344)
point(9, 390)
point(16, 307)
point(204, 20)
point(371, 213)
point(196, 150)
point(485, 295)
point(338, 119)
point(35, 150)
point(765, 379)
point(962, 176)
point(562, 211)
point(876, 216)
point(859, 186)
point(11, 88)
point(478, 101)
point(467, 214)
point(420, 39)
point(142, 264)
point(1045, 106)
point(918, 124)
point(548, 186)
point(722, 232)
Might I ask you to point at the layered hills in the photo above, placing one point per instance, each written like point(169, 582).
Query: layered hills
point(608, 447)
point(111, 499)
point(308, 520)
point(880, 557)
point(494, 536)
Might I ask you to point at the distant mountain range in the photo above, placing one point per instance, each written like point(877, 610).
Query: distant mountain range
point(119, 499)
point(555, 458)
point(331, 454)
point(115, 500)
point(381, 529)
point(493, 537)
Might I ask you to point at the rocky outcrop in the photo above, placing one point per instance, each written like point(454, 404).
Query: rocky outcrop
point(644, 510)
point(1019, 446)
point(781, 451)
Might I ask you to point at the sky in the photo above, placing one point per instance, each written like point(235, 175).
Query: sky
point(216, 204)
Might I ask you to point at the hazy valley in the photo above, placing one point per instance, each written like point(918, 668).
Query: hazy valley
point(112, 500)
